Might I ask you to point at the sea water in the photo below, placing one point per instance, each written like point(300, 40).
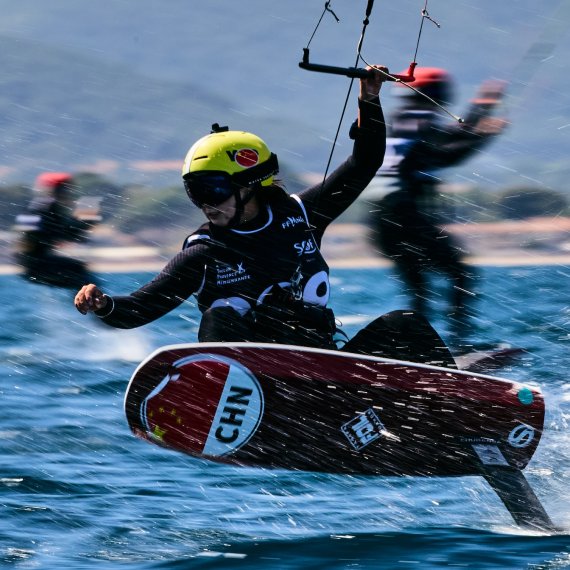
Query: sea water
point(78, 490)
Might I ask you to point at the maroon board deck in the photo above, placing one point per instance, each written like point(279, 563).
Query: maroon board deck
point(277, 406)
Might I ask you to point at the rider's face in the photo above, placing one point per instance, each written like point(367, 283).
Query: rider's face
point(222, 214)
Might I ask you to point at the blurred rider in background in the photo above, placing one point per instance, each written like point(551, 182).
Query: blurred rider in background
point(407, 223)
point(52, 220)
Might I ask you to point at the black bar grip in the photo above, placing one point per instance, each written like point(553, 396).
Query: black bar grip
point(355, 72)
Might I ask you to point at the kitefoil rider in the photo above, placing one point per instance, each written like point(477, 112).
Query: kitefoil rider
point(255, 266)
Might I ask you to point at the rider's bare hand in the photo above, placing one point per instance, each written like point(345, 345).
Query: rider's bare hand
point(90, 298)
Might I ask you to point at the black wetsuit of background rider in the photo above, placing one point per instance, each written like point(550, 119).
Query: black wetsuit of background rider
point(266, 280)
point(46, 224)
point(409, 222)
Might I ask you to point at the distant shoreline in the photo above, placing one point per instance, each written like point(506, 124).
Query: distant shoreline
point(532, 242)
point(134, 266)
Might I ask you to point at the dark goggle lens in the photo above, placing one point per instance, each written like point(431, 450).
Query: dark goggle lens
point(209, 190)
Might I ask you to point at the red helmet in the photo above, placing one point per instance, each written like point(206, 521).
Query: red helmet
point(430, 75)
point(52, 182)
point(434, 82)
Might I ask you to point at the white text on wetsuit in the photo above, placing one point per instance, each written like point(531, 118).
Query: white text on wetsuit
point(227, 274)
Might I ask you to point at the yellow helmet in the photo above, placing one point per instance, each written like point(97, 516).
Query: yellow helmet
point(239, 158)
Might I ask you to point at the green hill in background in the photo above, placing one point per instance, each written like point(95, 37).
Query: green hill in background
point(74, 112)
point(119, 87)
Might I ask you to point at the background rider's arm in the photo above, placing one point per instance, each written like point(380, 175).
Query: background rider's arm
point(77, 229)
point(448, 147)
point(451, 145)
point(59, 223)
point(176, 282)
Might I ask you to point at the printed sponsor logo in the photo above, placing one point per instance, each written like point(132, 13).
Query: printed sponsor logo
point(245, 157)
point(306, 246)
point(363, 429)
point(292, 221)
point(227, 274)
point(489, 454)
point(521, 436)
point(238, 413)
point(475, 439)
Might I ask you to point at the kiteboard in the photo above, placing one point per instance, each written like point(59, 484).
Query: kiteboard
point(297, 408)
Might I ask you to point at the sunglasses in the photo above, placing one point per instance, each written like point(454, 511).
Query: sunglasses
point(209, 189)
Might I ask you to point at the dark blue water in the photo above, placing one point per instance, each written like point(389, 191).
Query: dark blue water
point(77, 490)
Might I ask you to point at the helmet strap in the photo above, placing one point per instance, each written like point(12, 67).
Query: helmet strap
point(241, 203)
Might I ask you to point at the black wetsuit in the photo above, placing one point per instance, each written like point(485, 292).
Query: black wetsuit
point(408, 223)
point(264, 281)
point(45, 225)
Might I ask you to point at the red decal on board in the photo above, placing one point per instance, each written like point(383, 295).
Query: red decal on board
point(181, 412)
point(206, 405)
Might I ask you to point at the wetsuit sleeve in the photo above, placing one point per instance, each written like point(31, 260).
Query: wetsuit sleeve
point(181, 278)
point(77, 230)
point(61, 226)
point(447, 146)
point(327, 200)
